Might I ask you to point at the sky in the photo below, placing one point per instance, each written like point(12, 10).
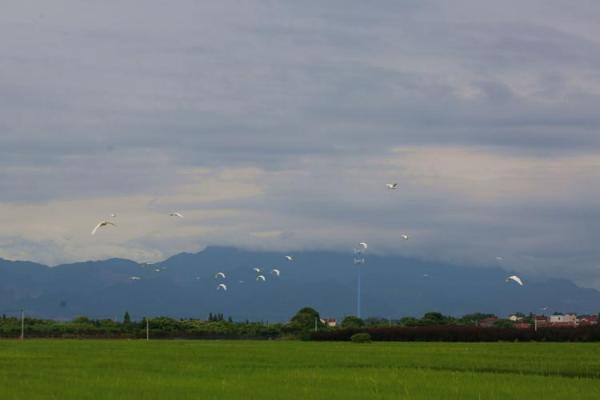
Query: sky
point(275, 125)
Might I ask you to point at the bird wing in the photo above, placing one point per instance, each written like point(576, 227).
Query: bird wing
point(519, 281)
point(96, 228)
point(516, 279)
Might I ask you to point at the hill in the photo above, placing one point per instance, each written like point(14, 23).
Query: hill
point(184, 286)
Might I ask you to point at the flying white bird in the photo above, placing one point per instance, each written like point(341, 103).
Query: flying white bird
point(176, 214)
point(515, 278)
point(261, 278)
point(256, 269)
point(113, 215)
point(276, 272)
point(392, 186)
point(101, 225)
point(498, 258)
point(404, 236)
point(135, 278)
point(156, 270)
point(222, 286)
point(364, 245)
point(219, 275)
point(289, 258)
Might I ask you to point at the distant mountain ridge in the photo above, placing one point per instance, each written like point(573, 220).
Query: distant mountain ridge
point(184, 286)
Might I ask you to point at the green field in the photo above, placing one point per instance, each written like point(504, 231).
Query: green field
point(89, 369)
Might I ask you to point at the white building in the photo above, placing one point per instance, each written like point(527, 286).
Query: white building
point(563, 319)
point(330, 322)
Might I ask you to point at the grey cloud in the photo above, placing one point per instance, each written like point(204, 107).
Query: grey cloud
point(117, 99)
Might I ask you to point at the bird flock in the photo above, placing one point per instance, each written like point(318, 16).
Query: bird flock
point(259, 275)
point(275, 272)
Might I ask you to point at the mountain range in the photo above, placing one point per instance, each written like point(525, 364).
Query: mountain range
point(185, 286)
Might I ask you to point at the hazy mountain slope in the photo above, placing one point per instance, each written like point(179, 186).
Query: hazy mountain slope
point(185, 286)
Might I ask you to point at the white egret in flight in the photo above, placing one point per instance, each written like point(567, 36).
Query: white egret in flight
point(404, 236)
point(364, 245)
point(101, 225)
point(392, 186)
point(176, 214)
point(498, 258)
point(135, 278)
point(276, 272)
point(220, 275)
point(289, 258)
point(222, 286)
point(515, 278)
point(261, 278)
point(256, 269)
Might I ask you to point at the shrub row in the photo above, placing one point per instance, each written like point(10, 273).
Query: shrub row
point(464, 334)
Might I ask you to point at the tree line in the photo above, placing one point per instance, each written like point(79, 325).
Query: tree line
point(305, 324)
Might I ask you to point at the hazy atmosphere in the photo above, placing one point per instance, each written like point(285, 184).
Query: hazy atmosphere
point(276, 125)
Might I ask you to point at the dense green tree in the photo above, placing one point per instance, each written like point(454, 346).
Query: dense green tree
point(474, 318)
point(377, 322)
point(351, 321)
point(409, 321)
point(126, 318)
point(81, 320)
point(435, 318)
point(305, 320)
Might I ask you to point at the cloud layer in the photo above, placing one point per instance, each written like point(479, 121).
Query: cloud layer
point(276, 125)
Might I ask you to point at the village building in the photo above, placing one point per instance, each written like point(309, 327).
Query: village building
point(587, 320)
point(330, 322)
point(487, 322)
point(563, 320)
point(540, 321)
point(515, 318)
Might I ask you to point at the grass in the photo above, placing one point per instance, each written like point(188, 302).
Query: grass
point(89, 369)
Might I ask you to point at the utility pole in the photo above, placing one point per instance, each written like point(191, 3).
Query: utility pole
point(22, 324)
point(147, 329)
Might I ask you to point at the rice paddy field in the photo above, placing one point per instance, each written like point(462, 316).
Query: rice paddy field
point(120, 369)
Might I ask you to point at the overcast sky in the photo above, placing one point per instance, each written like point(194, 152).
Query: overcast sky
point(275, 125)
